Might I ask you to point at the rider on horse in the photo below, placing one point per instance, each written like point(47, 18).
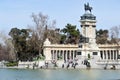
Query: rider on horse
point(87, 7)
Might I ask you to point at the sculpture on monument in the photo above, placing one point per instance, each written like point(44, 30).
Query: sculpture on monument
point(87, 7)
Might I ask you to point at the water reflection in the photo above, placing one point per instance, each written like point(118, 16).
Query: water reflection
point(60, 74)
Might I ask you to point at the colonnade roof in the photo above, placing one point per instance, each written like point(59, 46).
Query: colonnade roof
point(108, 46)
point(63, 45)
point(76, 46)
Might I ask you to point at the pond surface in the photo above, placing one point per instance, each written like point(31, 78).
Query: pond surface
point(60, 74)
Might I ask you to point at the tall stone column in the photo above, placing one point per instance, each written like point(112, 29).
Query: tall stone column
point(73, 55)
point(110, 54)
point(102, 55)
point(106, 54)
point(70, 54)
point(62, 52)
point(117, 54)
point(52, 55)
point(66, 55)
point(114, 55)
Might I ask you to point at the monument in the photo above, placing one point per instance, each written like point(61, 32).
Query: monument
point(87, 53)
point(88, 48)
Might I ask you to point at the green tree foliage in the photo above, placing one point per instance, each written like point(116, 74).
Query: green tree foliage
point(71, 34)
point(102, 36)
point(28, 43)
point(19, 39)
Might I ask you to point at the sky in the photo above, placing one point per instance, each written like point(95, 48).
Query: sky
point(17, 13)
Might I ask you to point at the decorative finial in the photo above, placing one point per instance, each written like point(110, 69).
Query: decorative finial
point(87, 7)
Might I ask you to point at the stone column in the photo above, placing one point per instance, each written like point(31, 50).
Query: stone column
point(66, 55)
point(108, 55)
point(118, 51)
point(101, 54)
point(104, 55)
point(62, 52)
point(112, 55)
point(56, 55)
point(52, 54)
point(69, 54)
point(73, 55)
point(117, 54)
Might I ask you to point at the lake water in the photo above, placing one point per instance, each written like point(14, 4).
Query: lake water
point(60, 74)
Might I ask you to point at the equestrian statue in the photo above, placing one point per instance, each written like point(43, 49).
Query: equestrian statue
point(87, 7)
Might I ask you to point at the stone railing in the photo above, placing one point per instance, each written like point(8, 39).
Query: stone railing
point(62, 45)
point(108, 62)
point(108, 45)
point(27, 64)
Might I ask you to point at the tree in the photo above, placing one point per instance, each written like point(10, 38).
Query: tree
point(115, 34)
point(53, 35)
point(10, 50)
point(4, 55)
point(71, 34)
point(41, 30)
point(19, 39)
point(102, 36)
point(6, 48)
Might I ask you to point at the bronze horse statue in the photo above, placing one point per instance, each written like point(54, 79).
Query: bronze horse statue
point(87, 7)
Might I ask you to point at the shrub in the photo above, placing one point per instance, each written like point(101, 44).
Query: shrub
point(10, 64)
